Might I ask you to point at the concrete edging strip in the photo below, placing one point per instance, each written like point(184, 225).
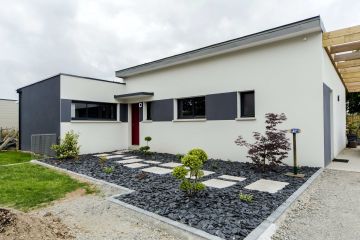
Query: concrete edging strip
point(268, 227)
point(113, 199)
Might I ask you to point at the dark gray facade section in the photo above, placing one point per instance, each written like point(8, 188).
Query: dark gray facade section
point(327, 124)
point(39, 110)
point(65, 110)
point(123, 112)
point(162, 110)
point(222, 106)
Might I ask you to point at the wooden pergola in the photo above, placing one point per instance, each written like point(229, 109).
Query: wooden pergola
point(343, 48)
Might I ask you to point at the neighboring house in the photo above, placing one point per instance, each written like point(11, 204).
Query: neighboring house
point(203, 98)
point(9, 114)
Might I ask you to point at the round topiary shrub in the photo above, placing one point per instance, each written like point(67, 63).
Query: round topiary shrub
point(201, 154)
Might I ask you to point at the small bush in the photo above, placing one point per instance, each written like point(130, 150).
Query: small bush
point(68, 147)
point(194, 160)
point(246, 197)
point(102, 160)
point(108, 170)
point(146, 149)
point(179, 156)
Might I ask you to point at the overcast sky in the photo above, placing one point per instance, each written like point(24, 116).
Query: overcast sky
point(40, 38)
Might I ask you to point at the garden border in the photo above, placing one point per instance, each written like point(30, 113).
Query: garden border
point(264, 231)
point(268, 227)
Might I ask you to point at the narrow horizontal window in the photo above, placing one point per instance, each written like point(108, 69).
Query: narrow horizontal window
point(191, 108)
point(94, 111)
point(247, 104)
point(148, 111)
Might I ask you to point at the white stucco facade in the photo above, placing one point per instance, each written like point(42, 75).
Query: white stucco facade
point(9, 114)
point(94, 136)
point(286, 75)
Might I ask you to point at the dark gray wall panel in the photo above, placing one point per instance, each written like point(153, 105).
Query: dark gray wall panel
point(40, 110)
point(123, 112)
point(65, 110)
point(222, 106)
point(327, 124)
point(162, 110)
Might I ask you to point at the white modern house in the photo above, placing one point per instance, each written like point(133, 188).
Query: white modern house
point(203, 98)
point(9, 114)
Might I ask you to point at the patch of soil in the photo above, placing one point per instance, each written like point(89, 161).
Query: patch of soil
point(15, 225)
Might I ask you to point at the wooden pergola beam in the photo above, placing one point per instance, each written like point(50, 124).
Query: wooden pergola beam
point(350, 75)
point(348, 64)
point(341, 36)
point(349, 70)
point(350, 80)
point(345, 47)
point(347, 56)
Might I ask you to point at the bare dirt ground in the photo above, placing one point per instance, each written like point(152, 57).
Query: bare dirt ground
point(329, 209)
point(94, 217)
point(15, 225)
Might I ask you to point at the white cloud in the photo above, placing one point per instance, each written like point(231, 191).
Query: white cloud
point(40, 38)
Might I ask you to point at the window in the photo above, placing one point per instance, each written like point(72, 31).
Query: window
point(148, 111)
point(190, 108)
point(93, 111)
point(247, 102)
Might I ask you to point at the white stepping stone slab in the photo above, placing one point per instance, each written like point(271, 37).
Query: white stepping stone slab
point(101, 155)
point(269, 186)
point(232, 178)
point(136, 165)
point(217, 183)
point(157, 170)
point(206, 173)
point(129, 161)
point(152, 162)
point(114, 156)
point(120, 152)
point(128, 157)
point(171, 164)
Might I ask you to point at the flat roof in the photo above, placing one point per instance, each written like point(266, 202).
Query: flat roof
point(305, 26)
point(70, 75)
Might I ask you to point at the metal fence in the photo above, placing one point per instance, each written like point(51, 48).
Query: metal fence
point(41, 144)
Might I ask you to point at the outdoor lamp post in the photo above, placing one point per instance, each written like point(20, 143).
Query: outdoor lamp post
point(295, 172)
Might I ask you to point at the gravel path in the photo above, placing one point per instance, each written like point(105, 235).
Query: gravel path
point(94, 217)
point(329, 209)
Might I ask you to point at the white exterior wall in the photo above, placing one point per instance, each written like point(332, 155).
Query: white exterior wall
point(338, 114)
point(9, 114)
point(94, 136)
point(286, 77)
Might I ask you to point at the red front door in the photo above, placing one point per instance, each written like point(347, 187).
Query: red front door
point(135, 124)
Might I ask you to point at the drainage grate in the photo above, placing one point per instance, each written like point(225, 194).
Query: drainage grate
point(340, 160)
point(41, 143)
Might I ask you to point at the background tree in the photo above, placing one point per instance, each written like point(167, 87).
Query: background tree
point(353, 103)
point(272, 147)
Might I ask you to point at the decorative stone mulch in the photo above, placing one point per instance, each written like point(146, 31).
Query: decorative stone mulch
point(216, 211)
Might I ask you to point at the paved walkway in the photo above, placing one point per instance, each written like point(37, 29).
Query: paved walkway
point(353, 155)
point(328, 210)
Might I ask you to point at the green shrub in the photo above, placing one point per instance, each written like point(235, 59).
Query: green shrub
point(68, 147)
point(246, 197)
point(108, 170)
point(194, 161)
point(146, 149)
point(102, 160)
point(179, 156)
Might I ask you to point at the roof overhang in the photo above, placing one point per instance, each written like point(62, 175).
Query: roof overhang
point(275, 34)
point(135, 95)
point(343, 48)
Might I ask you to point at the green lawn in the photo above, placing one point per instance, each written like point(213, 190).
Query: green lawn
point(11, 157)
point(28, 186)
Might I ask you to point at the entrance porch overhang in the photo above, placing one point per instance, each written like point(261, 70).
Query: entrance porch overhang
point(133, 96)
